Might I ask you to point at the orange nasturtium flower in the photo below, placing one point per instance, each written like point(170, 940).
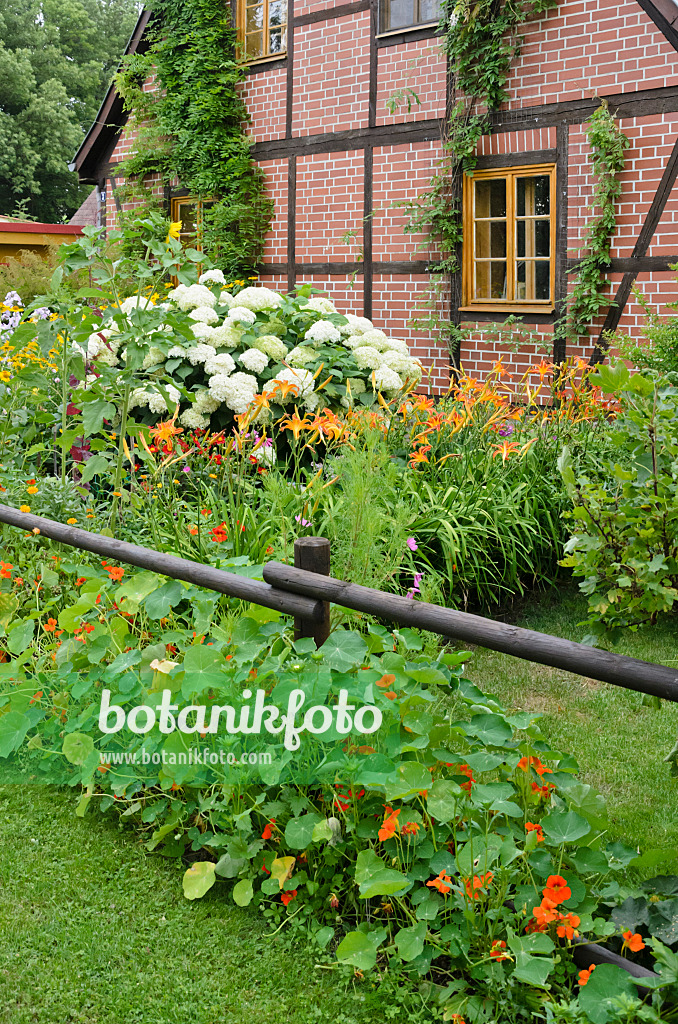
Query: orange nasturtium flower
point(390, 825)
point(50, 625)
point(496, 952)
point(24, 508)
point(411, 828)
point(633, 941)
point(268, 829)
point(556, 889)
point(585, 975)
point(443, 883)
point(474, 888)
point(32, 490)
point(287, 897)
point(541, 769)
point(530, 826)
point(116, 573)
point(464, 769)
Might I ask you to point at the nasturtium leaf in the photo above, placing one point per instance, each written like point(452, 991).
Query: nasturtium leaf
point(564, 827)
point(443, 799)
point(428, 676)
point(411, 777)
point(77, 747)
point(478, 855)
point(344, 649)
point(605, 983)
point(228, 866)
point(485, 794)
point(410, 941)
point(123, 662)
point(357, 950)
point(299, 831)
point(587, 861)
point(159, 602)
point(13, 728)
point(133, 591)
point(199, 879)
point(323, 936)
point(281, 869)
point(533, 970)
point(243, 892)
point(483, 761)
point(19, 637)
point(203, 667)
point(384, 883)
point(490, 729)
point(367, 865)
point(428, 909)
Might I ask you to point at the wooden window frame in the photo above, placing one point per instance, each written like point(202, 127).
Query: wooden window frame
point(384, 32)
point(240, 22)
point(509, 304)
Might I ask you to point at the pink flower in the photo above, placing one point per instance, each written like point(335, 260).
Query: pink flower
point(418, 576)
point(412, 544)
point(304, 522)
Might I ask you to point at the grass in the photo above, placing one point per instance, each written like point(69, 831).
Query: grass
point(94, 930)
point(619, 742)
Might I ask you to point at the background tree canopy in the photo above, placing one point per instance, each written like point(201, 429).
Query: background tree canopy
point(56, 60)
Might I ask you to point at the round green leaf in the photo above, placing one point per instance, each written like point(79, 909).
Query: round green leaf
point(560, 827)
point(357, 950)
point(243, 892)
point(77, 747)
point(606, 982)
point(199, 879)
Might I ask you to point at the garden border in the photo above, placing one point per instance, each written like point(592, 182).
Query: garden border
point(307, 596)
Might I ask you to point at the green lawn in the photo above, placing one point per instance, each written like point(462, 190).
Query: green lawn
point(95, 930)
point(619, 743)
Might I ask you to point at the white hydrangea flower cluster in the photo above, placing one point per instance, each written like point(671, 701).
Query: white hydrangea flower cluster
point(212, 277)
point(300, 355)
point(134, 302)
point(242, 315)
point(320, 304)
point(322, 333)
point(254, 360)
point(256, 299)
point(205, 314)
point(192, 297)
point(272, 346)
point(367, 357)
point(236, 390)
point(221, 362)
point(142, 397)
point(200, 353)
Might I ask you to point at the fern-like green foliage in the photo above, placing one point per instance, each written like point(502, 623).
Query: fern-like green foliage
point(191, 129)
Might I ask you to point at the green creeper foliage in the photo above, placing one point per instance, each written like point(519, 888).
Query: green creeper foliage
point(192, 128)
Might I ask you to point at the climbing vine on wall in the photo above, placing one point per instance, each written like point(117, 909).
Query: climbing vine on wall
point(481, 41)
point(190, 130)
point(590, 293)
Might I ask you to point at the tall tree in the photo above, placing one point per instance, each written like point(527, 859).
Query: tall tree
point(57, 58)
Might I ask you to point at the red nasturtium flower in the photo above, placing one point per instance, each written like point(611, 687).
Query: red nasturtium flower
point(268, 829)
point(585, 975)
point(463, 769)
point(411, 828)
point(443, 883)
point(556, 889)
point(287, 897)
point(633, 941)
point(219, 533)
point(390, 824)
point(530, 826)
point(496, 952)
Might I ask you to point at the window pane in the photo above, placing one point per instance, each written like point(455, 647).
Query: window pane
point(187, 216)
point(533, 196)
point(490, 280)
point(533, 238)
point(276, 13)
point(429, 10)
point(276, 41)
point(254, 45)
point(490, 239)
point(491, 198)
point(533, 280)
point(254, 18)
point(397, 14)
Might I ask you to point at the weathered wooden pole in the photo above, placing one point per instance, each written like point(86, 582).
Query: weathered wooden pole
point(313, 555)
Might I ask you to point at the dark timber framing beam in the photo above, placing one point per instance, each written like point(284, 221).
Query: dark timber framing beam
point(640, 248)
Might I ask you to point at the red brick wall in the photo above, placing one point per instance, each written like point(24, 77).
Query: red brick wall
point(581, 49)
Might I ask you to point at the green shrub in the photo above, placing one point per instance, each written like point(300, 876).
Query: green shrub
point(625, 548)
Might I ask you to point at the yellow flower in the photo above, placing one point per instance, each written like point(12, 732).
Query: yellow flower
point(71, 522)
point(5, 376)
point(32, 490)
point(24, 508)
point(174, 229)
point(117, 494)
point(213, 476)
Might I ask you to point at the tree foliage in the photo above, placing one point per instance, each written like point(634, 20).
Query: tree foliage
point(56, 60)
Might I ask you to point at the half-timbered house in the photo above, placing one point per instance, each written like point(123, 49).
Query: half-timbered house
point(338, 163)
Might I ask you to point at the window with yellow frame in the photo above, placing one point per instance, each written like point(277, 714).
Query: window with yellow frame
point(509, 239)
point(262, 28)
point(188, 213)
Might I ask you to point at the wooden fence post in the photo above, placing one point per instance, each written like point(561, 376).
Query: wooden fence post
point(313, 555)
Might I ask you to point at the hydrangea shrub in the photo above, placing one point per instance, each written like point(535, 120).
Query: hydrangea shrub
point(295, 351)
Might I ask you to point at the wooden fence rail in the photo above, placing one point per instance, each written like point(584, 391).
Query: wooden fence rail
point(305, 591)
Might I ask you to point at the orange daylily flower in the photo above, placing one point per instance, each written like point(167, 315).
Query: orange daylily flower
point(295, 423)
point(505, 449)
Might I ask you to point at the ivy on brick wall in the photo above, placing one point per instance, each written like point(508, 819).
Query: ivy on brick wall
point(190, 128)
point(590, 293)
point(481, 41)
